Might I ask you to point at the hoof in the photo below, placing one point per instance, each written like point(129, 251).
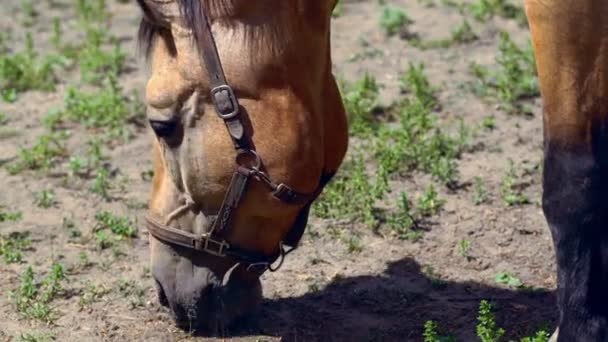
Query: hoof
point(553, 337)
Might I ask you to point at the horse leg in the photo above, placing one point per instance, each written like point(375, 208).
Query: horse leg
point(570, 40)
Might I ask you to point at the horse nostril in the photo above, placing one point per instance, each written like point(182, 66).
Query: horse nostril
point(163, 128)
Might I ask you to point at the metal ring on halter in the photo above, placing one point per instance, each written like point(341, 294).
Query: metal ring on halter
point(256, 156)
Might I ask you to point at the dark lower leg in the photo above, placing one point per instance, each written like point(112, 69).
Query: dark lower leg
point(575, 184)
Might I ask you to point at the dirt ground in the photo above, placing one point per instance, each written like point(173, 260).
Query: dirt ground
point(385, 292)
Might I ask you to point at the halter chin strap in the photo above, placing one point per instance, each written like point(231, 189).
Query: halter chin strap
point(227, 108)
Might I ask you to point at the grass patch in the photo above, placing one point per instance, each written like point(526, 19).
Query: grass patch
point(393, 20)
point(487, 329)
point(46, 152)
point(13, 245)
point(33, 298)
point(360, 100)
point(107, 110)
point(484, 10)
point(46, 199)
point(511, 189)
point(110, 229)
point(512, 81)
point(27, 70)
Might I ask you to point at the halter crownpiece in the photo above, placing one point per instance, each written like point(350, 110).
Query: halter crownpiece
point(227, 108)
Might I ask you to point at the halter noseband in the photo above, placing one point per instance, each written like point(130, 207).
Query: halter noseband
point(227, 108)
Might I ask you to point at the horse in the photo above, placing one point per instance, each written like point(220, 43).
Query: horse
point(249, 126)
point(241, 155)
point(570, 42)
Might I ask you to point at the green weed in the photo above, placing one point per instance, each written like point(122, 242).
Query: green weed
point(106, 223)
point(350, 195)
point(7, 216)
point(48, 150)
point(36, 336)
point(91, 293)
point(101, 183)
point(13, 245)
point(464, 247)
point(513, 81)
point(508, 279)
point(32, 300)
point(463, 33)
point(480, 194)
point(393, 20)
point(483, 10)
point(23, 71)
point(107, 110)
point(510, 189)
point(487, 329)
point(46, 199)
point(415, 81)
point(417, 144)
point(360, 100)
point(131, 290)
point(403, 220)
point(430, 203)
point(431, 333)
point(29, 12)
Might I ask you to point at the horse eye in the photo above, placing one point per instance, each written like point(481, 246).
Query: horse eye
point(163, 128)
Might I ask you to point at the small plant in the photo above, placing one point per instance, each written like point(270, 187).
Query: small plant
point(6, 216)
point(415, 81)
point(33, 299)
point(91, 294)
point(349, 195)
point(508, 279)
point(29, 12)
point(47, 151)
point(106, 110)
point(463, 33)
point(483, 10)
point(393, 20)
point(101, 183)
point(514, 79)
point(360, 99)
point(489, 122)
point(134, 291)
point(110, 229)
point(429, 203)
point(46, 199)
point(509, 191)
point(464, 248)
point(431, 333)
point(13, 245)
point(26, 70)
point(353, 243)
point(403, 221)
point(487, 329)
point(36, 336)
point(480, 194)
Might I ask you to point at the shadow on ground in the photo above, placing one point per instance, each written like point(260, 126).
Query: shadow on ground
point(393, 306)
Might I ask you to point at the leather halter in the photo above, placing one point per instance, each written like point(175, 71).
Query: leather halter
point(227, 108)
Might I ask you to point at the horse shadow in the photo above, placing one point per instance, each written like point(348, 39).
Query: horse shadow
point(394, 306)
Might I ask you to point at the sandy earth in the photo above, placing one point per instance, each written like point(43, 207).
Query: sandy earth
point(323, 293)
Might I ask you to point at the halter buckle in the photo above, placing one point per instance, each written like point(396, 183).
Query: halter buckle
point(224, 101)
point(211, 246)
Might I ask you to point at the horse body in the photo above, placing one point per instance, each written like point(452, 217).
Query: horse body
point(276, 57)
point(570, 39)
